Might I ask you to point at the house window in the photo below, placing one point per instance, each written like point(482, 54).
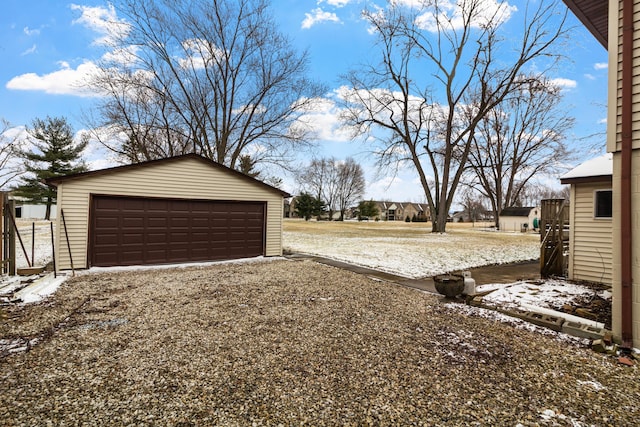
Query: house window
point(603, 204)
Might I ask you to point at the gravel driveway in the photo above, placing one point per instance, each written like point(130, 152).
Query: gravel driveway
point(292, 343)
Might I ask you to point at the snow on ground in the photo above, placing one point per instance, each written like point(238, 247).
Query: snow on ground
point(545, 293)
point(41, 244)
point(40, 289)
point(513, 321)
point(409, 249)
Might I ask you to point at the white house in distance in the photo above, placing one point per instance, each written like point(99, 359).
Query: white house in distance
point(591, 214)
point(519, 218)
point(29, 211)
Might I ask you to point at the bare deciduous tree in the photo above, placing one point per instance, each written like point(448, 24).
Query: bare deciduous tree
point(214, 78)
point(337, 183)
point(414, 102)
point(10, 145)
point(351, 184)
point(534, 192)
point(522, 138)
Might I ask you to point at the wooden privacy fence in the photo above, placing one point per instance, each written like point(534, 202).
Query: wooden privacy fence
point(554, 237)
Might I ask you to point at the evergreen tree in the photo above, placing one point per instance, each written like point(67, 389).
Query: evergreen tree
point(246, 165)
point(308, 206)
point(53, 153)
point(368, 209)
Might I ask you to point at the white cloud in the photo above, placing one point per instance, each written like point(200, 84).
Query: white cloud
point(564, 83)
point(124, 56)
point(323, 118)
point(102, 20)
point(29, 51)
point(31, 32)
point(336, 3)
point(590, 76)
point(15, 133)
point(600, 66)
point(453, 16)
point(65, 81)
point(317, 16)
point(396, 189)
point(602, 121)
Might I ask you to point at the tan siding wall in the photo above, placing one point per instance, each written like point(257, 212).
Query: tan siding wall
point(184, 179)
point(613, 145)
point(614, 118)
point(635, 234)
point(591, 241)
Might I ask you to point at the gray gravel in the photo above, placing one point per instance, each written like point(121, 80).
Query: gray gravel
point(289, 343)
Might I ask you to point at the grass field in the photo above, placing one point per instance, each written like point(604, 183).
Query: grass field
point(409, 249)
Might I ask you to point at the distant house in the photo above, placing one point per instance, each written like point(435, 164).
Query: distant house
point(460, 216)
point(519, 219)
point(591, 212)
point(399, 211)
point(27, 210)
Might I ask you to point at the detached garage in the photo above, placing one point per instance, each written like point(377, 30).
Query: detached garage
point(175, 210)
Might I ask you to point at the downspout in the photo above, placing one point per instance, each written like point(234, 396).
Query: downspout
point(625, 175)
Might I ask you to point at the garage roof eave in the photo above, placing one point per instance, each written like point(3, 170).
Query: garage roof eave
point(594, 15)
point(59, 179)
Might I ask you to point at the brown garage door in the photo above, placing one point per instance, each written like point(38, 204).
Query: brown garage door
point(138, 231)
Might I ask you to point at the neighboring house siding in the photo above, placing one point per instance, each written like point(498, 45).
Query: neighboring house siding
point(34, 211)
point(186, 179)
point(591, 240)
point(512, 223)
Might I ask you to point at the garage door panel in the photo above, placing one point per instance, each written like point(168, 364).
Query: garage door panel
point(135, 231)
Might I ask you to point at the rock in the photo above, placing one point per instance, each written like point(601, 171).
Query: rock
point(598, 346)
point(587, 314)
point(626, 361)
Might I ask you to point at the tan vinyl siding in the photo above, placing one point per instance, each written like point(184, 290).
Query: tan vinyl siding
point(591, 238)
point(614, 136)
point(188, 178)
point(615, 78)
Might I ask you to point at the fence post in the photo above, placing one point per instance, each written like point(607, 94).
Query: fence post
point(9, 208)
point(3, 267)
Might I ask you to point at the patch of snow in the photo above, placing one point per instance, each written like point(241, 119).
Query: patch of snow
point(41, 245)
point(599, 166)
point(96, 270)
point(605, 294)
point(17, 345)
point(515, 322)
point(593, 384)
point(40, 289)
point(546, 293)
point(550, 415)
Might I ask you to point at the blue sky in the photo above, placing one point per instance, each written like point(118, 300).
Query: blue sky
point(46, 46)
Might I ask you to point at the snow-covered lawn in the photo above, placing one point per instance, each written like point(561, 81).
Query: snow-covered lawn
point(42, 249)
point(409, 249)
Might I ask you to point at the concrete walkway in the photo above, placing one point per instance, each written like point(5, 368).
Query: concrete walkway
point(507, 273)
point(425, 284)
